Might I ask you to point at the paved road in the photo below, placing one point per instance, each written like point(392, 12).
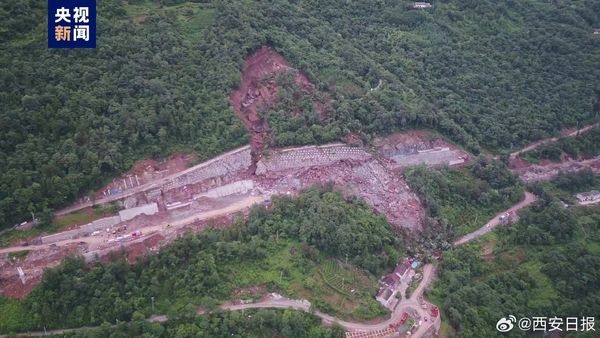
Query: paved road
point(405, 305)
point(552, 139)
point(93, 240)
point(489, 226)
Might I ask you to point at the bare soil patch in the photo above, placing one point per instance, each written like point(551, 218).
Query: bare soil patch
point(258, 88)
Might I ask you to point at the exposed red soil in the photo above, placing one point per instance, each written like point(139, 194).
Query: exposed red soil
point(518, 163)
point(141, 249)
point(259, 88)
point(252, 291)
point(34, 266)
point(174, 163)
point(147, 170)
point(412, 138)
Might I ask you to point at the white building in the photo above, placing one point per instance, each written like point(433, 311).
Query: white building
point(588, 197)
point(421, 5)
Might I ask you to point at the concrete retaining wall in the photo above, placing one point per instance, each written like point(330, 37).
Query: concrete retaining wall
point(240, 187)
point(85, 230)
point(430, 157)
point(101, 224)
point(148, 209)
point(238, 160)
point(61, 236)
point(309, 156)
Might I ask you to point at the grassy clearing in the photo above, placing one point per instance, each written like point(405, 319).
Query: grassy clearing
point(75, 218)
point(342, 280)
point(544, 293)
point(331, 286)
point(192, 18)
point(18, 255)
point(85, 216)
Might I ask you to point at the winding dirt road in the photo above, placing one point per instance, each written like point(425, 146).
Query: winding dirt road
point(278, 302)
point(405, 305)
point(489, 226)
point(552, 139)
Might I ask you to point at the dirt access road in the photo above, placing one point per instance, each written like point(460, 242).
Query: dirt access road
point(405, 305)
point(278, 302)
point(149, 230)
point(552, 139)
point(489, 226)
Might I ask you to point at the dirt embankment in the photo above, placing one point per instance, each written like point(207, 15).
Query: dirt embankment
point(546, 169)
point(258, 88)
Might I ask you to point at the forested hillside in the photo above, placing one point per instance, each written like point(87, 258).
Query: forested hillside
point(459, 201)
point(281, 249)
point(547, 263)
point(485, 73)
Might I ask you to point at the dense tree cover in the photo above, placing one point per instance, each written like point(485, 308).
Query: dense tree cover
point(576, 182)
point(334, 226)
point(293, 116)
point(496, 73)
point(585, 145)
point(545, 265)
point(278, 248)
point(461, 200)
point(72, 118)
point(251, 323)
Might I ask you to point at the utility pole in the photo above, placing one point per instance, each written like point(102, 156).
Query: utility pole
point(346, 258)
point(152, 304)
point(32, 217)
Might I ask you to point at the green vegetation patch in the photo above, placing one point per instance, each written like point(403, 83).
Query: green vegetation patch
point(339, 279)
point(192, 17)
point(84, 216)
point(548, 262)
point(281, 249)
point(584, 145)
point(466, 198)
point(18, 255)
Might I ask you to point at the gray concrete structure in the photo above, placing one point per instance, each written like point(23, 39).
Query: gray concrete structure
point(239, 187)
point(101, 224)
point(231, 162)
point(148, 209)
point(309, 156)
point(435, 156)
point(61, 236)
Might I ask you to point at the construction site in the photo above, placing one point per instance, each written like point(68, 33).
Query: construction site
point(155, 212)
point(159, 201)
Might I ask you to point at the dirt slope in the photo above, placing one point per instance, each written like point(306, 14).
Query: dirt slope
point(258, 87)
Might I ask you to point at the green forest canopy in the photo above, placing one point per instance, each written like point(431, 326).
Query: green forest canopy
point(278, 248)
point(545, 265)
point(486, 73)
